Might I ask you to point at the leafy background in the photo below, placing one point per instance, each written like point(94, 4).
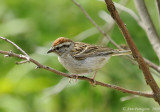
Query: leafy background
point(34, 25)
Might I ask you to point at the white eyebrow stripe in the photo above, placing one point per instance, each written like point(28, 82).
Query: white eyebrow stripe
point(66, 43)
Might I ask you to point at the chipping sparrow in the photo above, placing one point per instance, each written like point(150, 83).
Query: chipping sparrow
point(80, 58)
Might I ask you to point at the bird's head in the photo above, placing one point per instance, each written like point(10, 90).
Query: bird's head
point(61, 46)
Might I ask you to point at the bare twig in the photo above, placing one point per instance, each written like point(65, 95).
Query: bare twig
point(136, 54)
point(16, 46)
point(152, 65)
point(149, 95)
point(149, 27)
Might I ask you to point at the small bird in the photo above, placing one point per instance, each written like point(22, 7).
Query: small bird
point(81, 58)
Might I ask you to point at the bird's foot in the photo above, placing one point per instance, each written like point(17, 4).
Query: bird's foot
point(76, 78)
point(92, 82)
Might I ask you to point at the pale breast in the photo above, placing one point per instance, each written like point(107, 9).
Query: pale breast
point(83, 66)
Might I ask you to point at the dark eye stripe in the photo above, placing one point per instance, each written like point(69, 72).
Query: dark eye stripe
point(57, 48)
point(65, 46)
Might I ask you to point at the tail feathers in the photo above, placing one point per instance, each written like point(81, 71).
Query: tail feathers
point(123, 52)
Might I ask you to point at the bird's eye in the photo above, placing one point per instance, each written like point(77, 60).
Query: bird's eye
point(57, 48)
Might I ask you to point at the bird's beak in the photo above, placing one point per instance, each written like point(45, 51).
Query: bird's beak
point(50, 50)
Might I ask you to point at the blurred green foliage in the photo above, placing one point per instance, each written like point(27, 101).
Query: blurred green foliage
point(34, 25)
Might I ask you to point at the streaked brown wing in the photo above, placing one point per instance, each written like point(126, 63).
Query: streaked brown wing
point(82, 51)
point(78, 47)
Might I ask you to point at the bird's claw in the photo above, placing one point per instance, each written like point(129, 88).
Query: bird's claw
point(92, 82)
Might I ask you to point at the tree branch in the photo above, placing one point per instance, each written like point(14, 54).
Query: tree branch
point(148, 26)
point(16, 47)
point(136, 54)
point(11, 54)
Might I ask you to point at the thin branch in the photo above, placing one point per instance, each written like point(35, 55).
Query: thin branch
point(149, 27)
point(136, 54)
point(16, 46)
point(152, 65)
point(11, 54)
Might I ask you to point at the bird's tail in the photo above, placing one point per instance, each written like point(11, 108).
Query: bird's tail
point(121, 52)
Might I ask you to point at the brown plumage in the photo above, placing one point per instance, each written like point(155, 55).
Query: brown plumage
point(60, 40)
point(83, 50)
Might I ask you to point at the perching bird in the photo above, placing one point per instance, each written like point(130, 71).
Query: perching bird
point(81, 58)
